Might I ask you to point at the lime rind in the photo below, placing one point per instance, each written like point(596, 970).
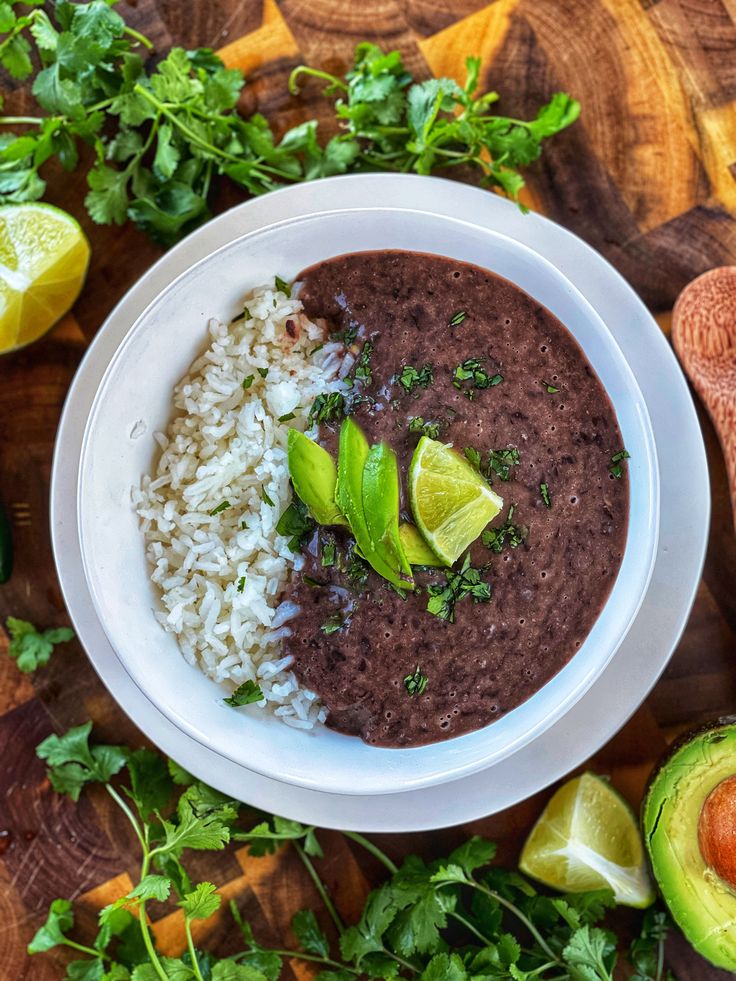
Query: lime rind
point(451, 502)
point(44, 256)
point(588, 838)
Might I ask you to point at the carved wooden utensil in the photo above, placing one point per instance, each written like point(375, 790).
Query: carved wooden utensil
point(704, 335)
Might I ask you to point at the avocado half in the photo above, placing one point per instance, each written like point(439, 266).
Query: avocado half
point(689, 827)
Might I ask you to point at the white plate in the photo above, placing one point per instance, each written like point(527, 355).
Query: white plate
point(656, 629)
point(136, 392)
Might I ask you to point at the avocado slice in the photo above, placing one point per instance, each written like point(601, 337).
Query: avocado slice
point(314, 475)
point(381, 508)
point(415, 548)
point(689, 812)
point(352, 455)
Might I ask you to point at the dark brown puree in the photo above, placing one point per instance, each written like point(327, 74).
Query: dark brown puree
point(548, 592)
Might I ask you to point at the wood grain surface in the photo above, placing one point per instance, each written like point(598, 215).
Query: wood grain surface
point(648, 177)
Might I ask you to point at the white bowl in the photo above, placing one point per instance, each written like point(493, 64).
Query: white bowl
point(137, 388)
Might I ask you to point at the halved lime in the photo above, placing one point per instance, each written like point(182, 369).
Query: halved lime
point(43, 261)
point(588, 838)
point(452, 503)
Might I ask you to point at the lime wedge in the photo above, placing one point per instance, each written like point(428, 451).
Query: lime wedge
point(43, 261)
point(451, 501)
point(588, 838)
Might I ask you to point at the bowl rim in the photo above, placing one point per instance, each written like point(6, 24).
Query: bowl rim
point(455, 770)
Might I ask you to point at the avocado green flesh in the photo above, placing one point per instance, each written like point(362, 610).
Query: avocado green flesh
point(381, 507)
point(314, 475)
point(351, 459)
point(701, 903)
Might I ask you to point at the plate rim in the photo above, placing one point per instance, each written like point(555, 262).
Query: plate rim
point(459, 764)
point(318, 803)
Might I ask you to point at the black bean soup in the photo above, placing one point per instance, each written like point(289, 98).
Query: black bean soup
point(386, 668)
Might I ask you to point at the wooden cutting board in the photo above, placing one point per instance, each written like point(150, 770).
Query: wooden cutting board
point(648, 177)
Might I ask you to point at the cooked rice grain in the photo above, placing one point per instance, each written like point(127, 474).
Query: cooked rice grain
point(227, 445)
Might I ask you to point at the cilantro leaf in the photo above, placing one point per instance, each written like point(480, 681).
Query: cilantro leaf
point(201, 903)
point(297, 523)
point(307, 931)
point(473, 854)
point(72, 764)
point(59, 921)
point(245, 694)
point(444, 967)
point(229, 970)
point(31, 648)
point(151, 786)
point(590, 955)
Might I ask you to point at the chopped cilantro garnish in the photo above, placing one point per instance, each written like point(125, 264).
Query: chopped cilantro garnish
point(246, 694)
point(506, 534)
point(329, 554)
point(499, 462)
point(287, 417)
point(297, 522)
point(222, 506)
point(415, 683)
point(550, 388)
point(471, 370)
point(333, 624)
point(248, 381)
point(263, 372)
point(317, 348)
point(616, 470)
point(327, 407)
point(266, 499)
point(458, 585)
point(348, 335)
point(429, 429)
point(357, 572)
point(545, 495)
point(410, 377)
point(283, 286)
point(473, 456)
point(457, 318)
point(241, 584)
point(362, 368)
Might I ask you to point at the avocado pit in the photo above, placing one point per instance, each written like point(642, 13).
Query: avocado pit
point(717, 830)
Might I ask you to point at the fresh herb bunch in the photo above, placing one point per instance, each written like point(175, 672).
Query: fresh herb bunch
point(400, 125)
point(160, 134)
point(453, 919)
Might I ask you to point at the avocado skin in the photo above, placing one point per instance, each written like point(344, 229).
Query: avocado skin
point(702, 904)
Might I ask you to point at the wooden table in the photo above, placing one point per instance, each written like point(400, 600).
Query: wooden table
point(648, 177)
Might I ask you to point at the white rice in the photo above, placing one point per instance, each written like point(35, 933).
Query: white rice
point(226, 444)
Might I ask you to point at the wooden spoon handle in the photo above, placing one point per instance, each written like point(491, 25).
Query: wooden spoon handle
point(704, 336)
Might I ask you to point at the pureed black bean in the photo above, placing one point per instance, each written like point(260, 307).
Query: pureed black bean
point(357, 642)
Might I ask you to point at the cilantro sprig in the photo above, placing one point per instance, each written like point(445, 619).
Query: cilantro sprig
point(162, 134)
point(397, 124)
point(457, 918)
point(32, 648)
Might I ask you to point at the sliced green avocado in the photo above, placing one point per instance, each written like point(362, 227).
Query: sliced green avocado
point(351, 459)
point(381, 508)
point(415, 548)
point(314, 475)
point(702, 903)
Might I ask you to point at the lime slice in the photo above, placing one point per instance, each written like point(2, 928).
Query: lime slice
point(451, 501)
point(588, 838)
point(43, 261)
